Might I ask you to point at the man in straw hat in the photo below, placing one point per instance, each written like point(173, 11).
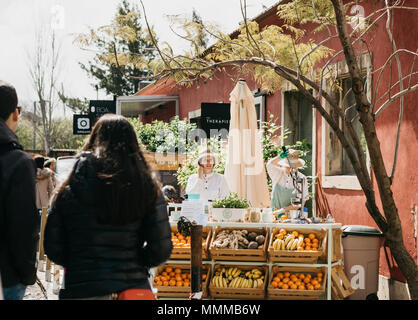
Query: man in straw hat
point(284, 188)
point(208, 184)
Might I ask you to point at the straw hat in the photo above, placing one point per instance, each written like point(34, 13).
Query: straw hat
point(205, 153)
point(294, 159)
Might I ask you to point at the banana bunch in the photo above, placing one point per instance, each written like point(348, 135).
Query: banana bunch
point(219, 282)
point(290, 242)
point(236, 278)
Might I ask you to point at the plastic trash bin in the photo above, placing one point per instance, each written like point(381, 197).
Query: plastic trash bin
point(361, 260)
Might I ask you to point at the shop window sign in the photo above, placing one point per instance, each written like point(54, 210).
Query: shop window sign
point(98, 108)
point(215, 118)
point(81, 124)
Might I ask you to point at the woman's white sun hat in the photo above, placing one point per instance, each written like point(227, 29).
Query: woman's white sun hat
point(204, 153)
point(294, 159)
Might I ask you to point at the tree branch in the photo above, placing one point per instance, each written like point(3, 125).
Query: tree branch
point(250, 38)
point(394, 97)
point(366, 119)
point(398, 62)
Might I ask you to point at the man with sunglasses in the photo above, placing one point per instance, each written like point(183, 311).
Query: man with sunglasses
point(19, 220)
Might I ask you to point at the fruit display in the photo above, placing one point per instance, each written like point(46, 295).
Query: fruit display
point(297, 281)
point(182, 244)
point(284, 240)
point(180, 241)
point(239, 239)
point(174, 280)
point(170, 276)
point(235, 277)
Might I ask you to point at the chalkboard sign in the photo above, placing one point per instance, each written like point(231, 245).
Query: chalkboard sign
point(215, 118)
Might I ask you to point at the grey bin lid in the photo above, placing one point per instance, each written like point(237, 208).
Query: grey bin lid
point(362, 231)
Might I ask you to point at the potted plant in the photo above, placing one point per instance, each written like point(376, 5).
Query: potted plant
point(232, 208)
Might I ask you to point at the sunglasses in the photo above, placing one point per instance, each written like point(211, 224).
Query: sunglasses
point(19, 110)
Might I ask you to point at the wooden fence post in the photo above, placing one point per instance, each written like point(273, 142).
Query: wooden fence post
point(41, 240)
point(196, 262)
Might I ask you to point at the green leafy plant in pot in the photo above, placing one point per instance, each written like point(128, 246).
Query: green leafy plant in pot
point(232, 208)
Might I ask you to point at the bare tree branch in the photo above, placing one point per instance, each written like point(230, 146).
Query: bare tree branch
point(363, 107)
point(382, 69)
point(251, 40)
point(394, 97)
point(398, 62)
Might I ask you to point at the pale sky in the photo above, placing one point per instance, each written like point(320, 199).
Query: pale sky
point(19, 18)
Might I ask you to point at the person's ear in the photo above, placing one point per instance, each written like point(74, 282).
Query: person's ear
point(15, 115)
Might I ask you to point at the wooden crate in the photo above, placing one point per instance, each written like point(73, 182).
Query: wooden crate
point(294, 255)
point(181, 292)
point(239, 254)
point(290, 294)
point(238, 293)
point(184, 253)
point(341, 287)
point(164, 162)
point(337, 250)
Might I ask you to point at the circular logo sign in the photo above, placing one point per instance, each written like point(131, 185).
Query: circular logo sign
point(227, 214)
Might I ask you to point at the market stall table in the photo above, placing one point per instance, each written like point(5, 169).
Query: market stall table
point(329, 264)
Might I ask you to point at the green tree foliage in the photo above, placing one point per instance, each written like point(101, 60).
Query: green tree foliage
point(125, 36)
point(61, 138)
point(76, 105)
point(202, 36)
point(24, 133)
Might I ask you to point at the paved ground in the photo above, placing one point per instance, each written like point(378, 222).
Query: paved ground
point(35, 293)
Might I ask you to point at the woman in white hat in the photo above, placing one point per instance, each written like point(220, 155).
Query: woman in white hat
point(283, 185)
point(208, 184)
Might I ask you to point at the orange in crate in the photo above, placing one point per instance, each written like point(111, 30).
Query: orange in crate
point(301, 283)
point(176, 281)
point(182, 244)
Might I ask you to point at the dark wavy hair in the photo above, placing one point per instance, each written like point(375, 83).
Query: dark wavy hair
point(126, 184)
point(39, 161)
point(8, 100)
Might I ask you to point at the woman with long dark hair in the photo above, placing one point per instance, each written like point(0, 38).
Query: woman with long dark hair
point(108, 223)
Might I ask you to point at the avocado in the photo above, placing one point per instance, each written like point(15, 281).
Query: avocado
point(251, 236)
point(260, 239)
point(253, 245)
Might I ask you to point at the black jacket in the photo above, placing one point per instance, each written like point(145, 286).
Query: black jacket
point(98, 259)
point(19, 219)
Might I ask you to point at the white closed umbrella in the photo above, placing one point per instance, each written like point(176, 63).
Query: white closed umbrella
point(244, 170)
